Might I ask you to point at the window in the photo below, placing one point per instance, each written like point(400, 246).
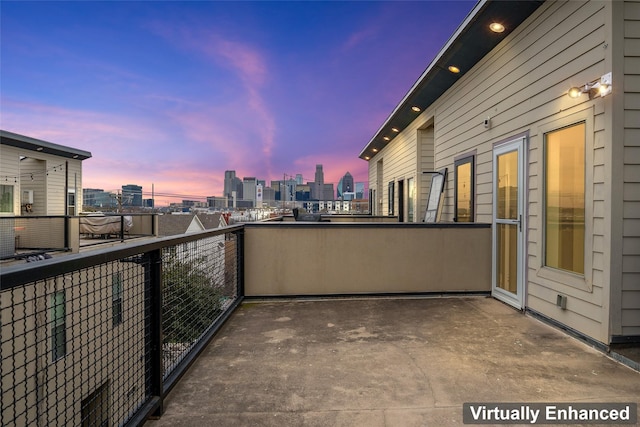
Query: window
point(95, 408)
point(6, 198)
point(116, 303)
point(564, 193)
point(58, 326)
point(71, 202)
point(390, 201)
point(464, 193)
point(411, 195)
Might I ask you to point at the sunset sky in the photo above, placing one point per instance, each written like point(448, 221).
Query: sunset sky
point(175, 93)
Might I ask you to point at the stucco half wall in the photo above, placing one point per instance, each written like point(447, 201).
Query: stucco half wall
point(360, 258)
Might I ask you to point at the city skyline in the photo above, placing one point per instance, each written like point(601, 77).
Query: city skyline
point(133, 195)
point(172, 94)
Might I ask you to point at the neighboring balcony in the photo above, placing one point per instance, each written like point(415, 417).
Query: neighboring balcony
point(106, 337)
point(28, 236)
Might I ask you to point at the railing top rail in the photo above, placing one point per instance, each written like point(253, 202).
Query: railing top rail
point(377, 225)
point(20, 274)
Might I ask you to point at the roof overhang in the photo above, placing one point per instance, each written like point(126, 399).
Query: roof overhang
point(471, 42)
point(37, 145)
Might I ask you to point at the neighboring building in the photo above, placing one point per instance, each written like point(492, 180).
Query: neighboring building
point(132, 195)
point(39, 177)
point(555, 170)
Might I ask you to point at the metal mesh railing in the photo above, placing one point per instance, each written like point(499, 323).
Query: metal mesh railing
point(198, 284)
point(95, 340)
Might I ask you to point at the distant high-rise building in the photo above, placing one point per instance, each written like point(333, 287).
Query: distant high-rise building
point(214, 202)
point(249, 186)
point(303, 192)
point(229, 183)
point(132, 195)
point(318, 185)
point(98, 198)
point(345, 185)
point(360, 190)
point(299, 178)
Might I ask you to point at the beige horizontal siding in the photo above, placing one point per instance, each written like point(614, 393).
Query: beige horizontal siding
point(520, 85)
point(631, 173)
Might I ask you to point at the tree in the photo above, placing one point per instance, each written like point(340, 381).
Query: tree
point(191, 302)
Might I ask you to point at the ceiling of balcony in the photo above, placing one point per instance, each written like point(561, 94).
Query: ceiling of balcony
point(469, 44)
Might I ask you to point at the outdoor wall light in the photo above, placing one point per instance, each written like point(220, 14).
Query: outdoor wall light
point(600, 87)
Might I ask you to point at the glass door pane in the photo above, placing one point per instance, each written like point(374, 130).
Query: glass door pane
point(507, 257)
point(507, 223)
point(508, 186)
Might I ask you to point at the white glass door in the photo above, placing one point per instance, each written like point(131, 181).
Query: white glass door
point(508, 222)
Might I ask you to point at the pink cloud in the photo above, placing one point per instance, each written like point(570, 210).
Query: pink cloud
point(250, 66)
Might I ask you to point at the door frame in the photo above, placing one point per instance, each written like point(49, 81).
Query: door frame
point(519, 144)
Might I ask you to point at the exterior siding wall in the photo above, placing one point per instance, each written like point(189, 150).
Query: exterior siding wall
point(34, 177)
point(521, 86)
point(630, 317)
point(425, 156)
point(10, 167)
point(404, 157)
point(48, 182)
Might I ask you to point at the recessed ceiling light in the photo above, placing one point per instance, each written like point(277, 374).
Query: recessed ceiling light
point(454, 69)
point(395, 129)
point(39, 148)
point(386, 138)
point(416, 109)
point(496, 27)
point(366, 157)
point(375, 150)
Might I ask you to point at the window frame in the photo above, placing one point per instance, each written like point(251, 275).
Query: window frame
point(411, 199)
point(550, 276)
point(390, 198)
point(117, 299)
point(71, 202)
point(469, 158)
point(10, 203)
point(58, 326)
point(545, 197)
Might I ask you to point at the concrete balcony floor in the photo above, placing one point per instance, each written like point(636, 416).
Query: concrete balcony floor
point(385, 362)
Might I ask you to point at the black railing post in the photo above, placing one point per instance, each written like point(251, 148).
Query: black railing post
point(122, 228)
point(240, 262)
point(154, 298)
